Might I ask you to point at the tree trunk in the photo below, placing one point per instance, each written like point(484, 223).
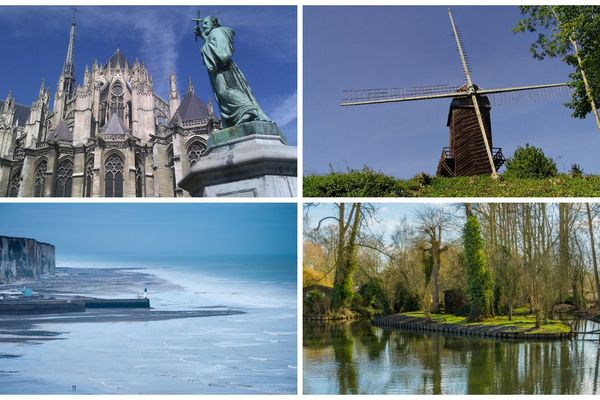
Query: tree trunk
point(593, 247)
point(435, 271)
point(563, 250)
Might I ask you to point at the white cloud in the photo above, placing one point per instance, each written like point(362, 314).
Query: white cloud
point(285, 111)
point(158, 31)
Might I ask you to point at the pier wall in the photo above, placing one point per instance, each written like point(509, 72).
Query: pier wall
point(23, 258)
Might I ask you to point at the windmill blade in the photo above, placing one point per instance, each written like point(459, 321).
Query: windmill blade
point(522, 97)
point(394, 95)
point(520, 88)
point(459, 46)
point(488, 149)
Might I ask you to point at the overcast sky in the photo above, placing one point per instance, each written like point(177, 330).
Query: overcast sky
point(34, 44)
point(379, 47)
point(125, 228)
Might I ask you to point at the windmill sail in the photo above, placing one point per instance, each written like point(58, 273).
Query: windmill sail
point(470, 151)
point(393, 95)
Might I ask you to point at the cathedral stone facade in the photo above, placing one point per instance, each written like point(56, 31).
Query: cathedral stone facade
point(110, 136)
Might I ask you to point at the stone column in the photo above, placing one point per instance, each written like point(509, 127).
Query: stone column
point(51, 172)
point(27, 176)
point(5, 170)
point(149, 175)
point(98, 183)
point(177, 161)
point(78, 172)
point(129, 172)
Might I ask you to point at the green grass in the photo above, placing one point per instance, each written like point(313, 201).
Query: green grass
point(368, 183)
point(523, 323)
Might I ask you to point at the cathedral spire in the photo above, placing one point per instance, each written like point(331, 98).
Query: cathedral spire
point(69, 67)
point(173, 85)
point(190, 88)
point(209, 108)
point(173, 94)
point(9, 102)
point(42, 90)
point(66, 81)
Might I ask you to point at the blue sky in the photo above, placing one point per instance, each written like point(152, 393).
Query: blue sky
point(125, 228)
point(34, 44)
point(372, 47)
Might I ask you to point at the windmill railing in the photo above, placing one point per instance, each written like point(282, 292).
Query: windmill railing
point(497, 155)
point(447, 153)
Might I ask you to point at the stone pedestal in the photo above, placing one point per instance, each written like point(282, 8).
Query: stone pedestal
point(248, 160)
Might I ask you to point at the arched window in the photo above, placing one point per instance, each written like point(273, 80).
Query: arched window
point(139, 177)
point(40, 179)
point(64, 179)
point(113, 176)
point(14, 185)
point(117, 103)
point(89, 177)
point(195, 151)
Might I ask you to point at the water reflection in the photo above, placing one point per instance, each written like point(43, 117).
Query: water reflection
point(357, 358)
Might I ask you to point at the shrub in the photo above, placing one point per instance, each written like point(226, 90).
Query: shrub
point(352, 183)
point(373, 295)
point(405, 300)
point(530, 162)
point(576, 171)
point(316, 303)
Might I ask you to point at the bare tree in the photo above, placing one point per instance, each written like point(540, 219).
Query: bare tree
point(433, 222)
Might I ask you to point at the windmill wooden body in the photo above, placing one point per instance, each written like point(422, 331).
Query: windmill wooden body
point(470, 150)
point(466, 154)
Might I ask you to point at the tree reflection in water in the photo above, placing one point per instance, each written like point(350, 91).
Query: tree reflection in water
point(356, 358)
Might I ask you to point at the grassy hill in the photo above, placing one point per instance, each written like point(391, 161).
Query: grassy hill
point(368, 183)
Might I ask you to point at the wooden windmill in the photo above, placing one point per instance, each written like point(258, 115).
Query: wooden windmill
point(470, 151)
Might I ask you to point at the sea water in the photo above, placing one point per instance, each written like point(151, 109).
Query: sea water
point(251, 353)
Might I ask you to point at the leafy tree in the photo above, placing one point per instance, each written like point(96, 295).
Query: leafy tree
point(374, 296)
point(571, 33)
point(479, 278)
point(530, 162)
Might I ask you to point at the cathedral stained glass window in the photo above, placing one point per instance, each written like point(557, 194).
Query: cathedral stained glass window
point(14, 185)
point(117, 104)
point(113, 176)
point(195, 151)
point(89, 177)
point(64, 179)
point(40, 179)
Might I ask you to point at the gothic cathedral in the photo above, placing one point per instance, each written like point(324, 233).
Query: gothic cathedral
point(111, 136)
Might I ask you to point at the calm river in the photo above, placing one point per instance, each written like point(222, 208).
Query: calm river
point(359, 358)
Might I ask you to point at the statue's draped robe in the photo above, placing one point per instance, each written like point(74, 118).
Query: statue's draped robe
point(229, 85)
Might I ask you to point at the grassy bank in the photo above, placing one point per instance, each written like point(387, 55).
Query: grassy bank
point(367, 183)
point(522, 324)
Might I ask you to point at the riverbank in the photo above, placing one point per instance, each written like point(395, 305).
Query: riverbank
point(521, 327)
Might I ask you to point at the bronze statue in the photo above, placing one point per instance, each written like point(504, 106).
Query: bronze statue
point(232, 93)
